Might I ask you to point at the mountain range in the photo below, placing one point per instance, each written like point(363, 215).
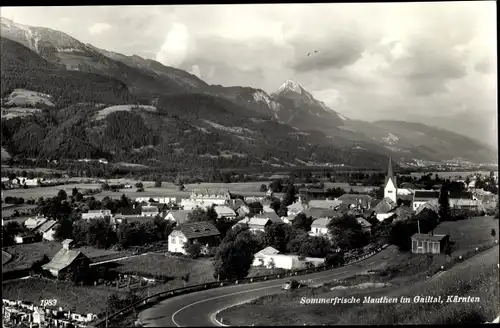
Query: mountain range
point(62, 98)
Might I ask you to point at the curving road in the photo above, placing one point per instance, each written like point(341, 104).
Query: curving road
point(198, 309)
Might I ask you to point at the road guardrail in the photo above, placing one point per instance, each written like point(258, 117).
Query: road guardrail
point(211, 285)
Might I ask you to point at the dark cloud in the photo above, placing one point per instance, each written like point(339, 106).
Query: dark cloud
point(426, 66)
point(484, 66)
point(332, 52)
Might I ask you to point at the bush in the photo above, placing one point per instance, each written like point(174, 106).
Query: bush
point(335, 259)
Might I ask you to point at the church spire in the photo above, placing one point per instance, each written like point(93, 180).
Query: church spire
point(390, 174)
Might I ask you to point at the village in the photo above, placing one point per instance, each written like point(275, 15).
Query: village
point(198, 225)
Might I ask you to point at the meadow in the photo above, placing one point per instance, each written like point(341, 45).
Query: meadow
point(477, 277)
point(80, 299)
point(24, 255)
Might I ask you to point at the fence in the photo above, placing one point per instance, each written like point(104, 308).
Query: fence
point(196, 288)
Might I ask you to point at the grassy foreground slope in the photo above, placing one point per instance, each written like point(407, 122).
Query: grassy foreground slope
point(477, 277)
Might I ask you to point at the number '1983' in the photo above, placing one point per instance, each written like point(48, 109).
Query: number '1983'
point(51, 302)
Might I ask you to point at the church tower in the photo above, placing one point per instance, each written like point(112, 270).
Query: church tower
point(390, 187)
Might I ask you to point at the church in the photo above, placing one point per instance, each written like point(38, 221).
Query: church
point(391, 187)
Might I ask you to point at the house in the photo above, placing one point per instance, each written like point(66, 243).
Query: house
point(209, 197)
point(25, 238)
point(432, 205)
point(272, 216)
point(383, 209)
point(360, 201)
point(317, 213)
point(243, 210)
point(267, 209)
point(400, 213)
point(161, 200)
point(259, 222)
point(296, 208)
point(96, 214)
point(65, 260)
point(270, 257)
point(319, 227)
point(150, 210)
point(326, 204)
point(33, 223)
point(179, 216)
point(312, 193)
point(190, 204)
point(288, 219)
point(421, 197)
point(47, 230)
point(130, 219)
point(254, 224)
point(365, 225)
point(428, 243)
point(225, 211)
point(203, 233)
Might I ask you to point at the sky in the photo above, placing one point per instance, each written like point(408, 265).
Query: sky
point(405, 61)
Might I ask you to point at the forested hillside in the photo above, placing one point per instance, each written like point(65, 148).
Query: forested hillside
point(21, 68)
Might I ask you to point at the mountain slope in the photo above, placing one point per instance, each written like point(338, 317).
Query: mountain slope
point(190, 118)
point(62, 49)
point(300, 109)
point(22, 68)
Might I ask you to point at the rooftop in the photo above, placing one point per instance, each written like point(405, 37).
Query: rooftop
point(423, 236)
point(197, 229)
point(425, 195)
point(62, 259)
point(180, 216)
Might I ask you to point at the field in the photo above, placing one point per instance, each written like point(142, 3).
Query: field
point(166, 190)
point(8, 211)
point(75, 298)
point(24, 255)
point(469, 234)
point(477, 277)
point(348, 188)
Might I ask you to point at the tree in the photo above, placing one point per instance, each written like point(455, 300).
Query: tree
point(62, 195)
point(139, 185)
point(181, 187)
point(302, 222)
point(276, 185)
point(255, 208)
point(493, 233)
point(64, 229)
point(200, 215)
point(158, 183)
point(105, 186)
point(193, 249)
point(315, 247)
point(263, 188)
point(335, 259)
point(278, 235)
point(78, 197)
point(444, 203)
point(347, 233)
point(235, 255)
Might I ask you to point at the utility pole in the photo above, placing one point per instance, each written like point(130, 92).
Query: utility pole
point(418, 224)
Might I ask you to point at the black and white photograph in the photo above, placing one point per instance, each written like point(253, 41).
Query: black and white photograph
point(249, 164)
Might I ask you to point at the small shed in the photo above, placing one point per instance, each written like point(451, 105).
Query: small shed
point(429, 243)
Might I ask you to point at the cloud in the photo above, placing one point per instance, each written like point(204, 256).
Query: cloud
point(484, 66)
point(99, 28)
point(195, 70)
point(175, 47)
